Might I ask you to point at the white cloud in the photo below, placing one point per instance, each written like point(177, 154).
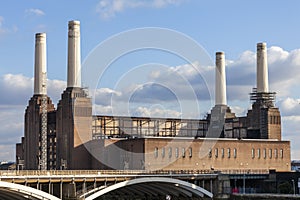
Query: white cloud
point(242, 70)
point(109, 8)
point(35, 12)
point(187, 71)
point(290, 132)
point(55, 88)
point(289, 106)
point(184, 82)
point(11, 130)
point(239, 111)
point(137, 111)
point(276, 54)
point(5, 30)
point(102, 110)
point(104, 96)
point(19, 88)
point(284, 72)
point(156, 112)
point(169, 85)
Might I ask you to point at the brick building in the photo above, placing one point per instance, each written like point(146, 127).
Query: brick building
point(78, 140)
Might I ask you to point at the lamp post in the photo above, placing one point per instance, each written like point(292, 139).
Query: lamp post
point(244, 183)
point(293, 181)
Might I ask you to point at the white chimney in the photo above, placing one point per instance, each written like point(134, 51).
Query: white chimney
point(74, 57)
point(40, 62)
point(262, 68)
point(220, 95)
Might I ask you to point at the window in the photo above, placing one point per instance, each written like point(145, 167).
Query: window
point(270, 153)
point(183, 152)
point(170, 152)
point(253, 153)
point(265, 153)
point(216, 152)
point(163, 152)
point(281, 153)
point(190, 152)
point(234, 153)
point(258, 153)
point(176, 152)
point(209, 153)
point(156, 152)
point(228, 152)
point(222, 152)
point(276, 153)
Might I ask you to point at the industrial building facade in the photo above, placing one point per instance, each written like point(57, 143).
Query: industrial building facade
point(78, 140)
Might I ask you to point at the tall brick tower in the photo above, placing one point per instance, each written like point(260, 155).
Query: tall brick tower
point(220, 112)
point(264, 120)
point(74, 111)
point(33, 112)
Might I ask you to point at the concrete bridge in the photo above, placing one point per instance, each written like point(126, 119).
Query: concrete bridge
point(97, 184)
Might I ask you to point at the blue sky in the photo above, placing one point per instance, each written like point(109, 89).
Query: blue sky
point(230, 26)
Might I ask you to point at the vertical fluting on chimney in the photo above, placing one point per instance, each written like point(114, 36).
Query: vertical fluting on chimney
point(40, 64)
point(262, 68)
point(74, 56)
point(220, 96)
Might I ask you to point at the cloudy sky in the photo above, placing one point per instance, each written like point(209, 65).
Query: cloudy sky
point(172, 78)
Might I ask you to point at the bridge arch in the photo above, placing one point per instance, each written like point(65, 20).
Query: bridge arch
point(174, 186)
point(25, 190)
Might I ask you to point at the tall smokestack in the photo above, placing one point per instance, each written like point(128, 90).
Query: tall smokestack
point(74, 57)
point(40, 62)
point(262, 68)
point(220, 79)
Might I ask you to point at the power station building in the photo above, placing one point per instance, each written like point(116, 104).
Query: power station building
point(70, 137)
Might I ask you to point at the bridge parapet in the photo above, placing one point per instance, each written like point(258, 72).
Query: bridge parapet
point(245, 171)
point(4, 173)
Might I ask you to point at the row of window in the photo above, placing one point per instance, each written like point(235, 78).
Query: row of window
point(223, 153)
point(184, 153)
point(266, 154)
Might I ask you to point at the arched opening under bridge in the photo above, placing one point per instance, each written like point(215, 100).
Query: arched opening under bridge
point(149, 187)
point(12, 191)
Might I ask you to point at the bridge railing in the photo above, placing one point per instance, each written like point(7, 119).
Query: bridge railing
point(124, 172)
point(97, 172)
point(245, 171)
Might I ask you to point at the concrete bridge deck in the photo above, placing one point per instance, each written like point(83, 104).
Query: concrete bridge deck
point(84, 183)
point(90, 184)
